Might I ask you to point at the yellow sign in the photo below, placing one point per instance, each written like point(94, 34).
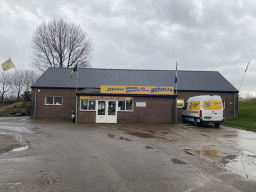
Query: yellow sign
point(193, 107)
point(7, 65)
point(106, 98)
point(212, 105)
point(149, 90)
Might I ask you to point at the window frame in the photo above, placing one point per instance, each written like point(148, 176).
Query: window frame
point(125, 105)
point(53, 100)
point(88, 104)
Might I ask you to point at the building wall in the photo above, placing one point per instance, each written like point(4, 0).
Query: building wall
point(227, 97)
point(157, 110)
point(53, 111)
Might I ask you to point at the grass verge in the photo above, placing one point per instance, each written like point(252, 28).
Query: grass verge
point(246, 117)
point(19, 107)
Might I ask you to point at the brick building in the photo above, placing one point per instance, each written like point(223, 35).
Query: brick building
point(125, 96)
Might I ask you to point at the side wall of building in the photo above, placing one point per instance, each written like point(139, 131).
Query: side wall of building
point(53, 111)
point(230, 100)
point(157, 110)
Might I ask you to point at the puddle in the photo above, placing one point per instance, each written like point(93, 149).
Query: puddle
point(177, 161)
point(110, 135)
point(229, 135)
point(207, 153)
point(20, 149)
point(148, 147)
point(121, 138)
point(142, 135)
point(243, 163)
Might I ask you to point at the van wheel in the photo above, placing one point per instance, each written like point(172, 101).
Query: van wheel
point(217, 125)
point(195, 122)
point(183, 119)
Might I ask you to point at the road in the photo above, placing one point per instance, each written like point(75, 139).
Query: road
point(111, 157)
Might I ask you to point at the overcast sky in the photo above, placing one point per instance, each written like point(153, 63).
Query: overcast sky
point(136, 34)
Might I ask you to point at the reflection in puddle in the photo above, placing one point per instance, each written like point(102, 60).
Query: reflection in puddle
point(207, 153)
point(243, 164)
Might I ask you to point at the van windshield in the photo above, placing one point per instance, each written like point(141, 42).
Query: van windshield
point(212, 105)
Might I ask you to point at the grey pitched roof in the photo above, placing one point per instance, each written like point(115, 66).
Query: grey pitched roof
point(93, 78)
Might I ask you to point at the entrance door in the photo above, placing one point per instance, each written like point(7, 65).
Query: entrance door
point(106, 112)
point(111, 115)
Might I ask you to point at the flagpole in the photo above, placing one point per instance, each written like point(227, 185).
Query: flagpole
point(244, 74)
point(76, 91)
point(176, 80)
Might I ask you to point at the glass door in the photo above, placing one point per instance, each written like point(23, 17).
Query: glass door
point(101, 112)
point(112, 115)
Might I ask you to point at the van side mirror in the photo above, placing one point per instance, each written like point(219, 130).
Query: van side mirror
point(183, 108)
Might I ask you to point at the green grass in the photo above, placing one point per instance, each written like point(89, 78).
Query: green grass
point(15, 108)
point(246, 117)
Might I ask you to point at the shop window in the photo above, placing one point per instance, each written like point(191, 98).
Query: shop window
point(180, 103)
point(53, 100)
point(87, 105)
point(125, 105)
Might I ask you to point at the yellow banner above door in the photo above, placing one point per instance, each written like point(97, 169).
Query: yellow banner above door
point(106, 98)
point(145, 90)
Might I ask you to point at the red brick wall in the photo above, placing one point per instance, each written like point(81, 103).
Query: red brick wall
point(86, 116)
point(53, 111)
point(227, 97)
point(157, 110)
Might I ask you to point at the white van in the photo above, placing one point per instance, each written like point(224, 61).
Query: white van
point(205, 109)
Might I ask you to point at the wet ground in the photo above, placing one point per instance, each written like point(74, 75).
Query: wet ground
point(128, 157)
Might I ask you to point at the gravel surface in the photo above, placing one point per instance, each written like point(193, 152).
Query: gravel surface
point(8, 143)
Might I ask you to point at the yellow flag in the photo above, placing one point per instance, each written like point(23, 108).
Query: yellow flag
point(7, 65)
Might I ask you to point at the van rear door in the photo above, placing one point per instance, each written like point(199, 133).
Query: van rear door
point(212, 110)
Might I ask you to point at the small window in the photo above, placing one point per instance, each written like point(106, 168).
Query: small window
point(125, 105)
point(87, 105)
point(121, 105)
point(180, 103)
point(58, 100)
point(53, 100)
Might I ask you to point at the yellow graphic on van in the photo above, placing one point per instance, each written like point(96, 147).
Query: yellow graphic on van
point(212, 105)
point(194, 106)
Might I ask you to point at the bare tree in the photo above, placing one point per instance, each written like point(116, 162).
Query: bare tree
point(18, 83)
point(5, 84)
point(29, 78)
point(60, 44)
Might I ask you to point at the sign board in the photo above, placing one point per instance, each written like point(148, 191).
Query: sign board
point(140, 104)
point(148, 90)
point(106, 98)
